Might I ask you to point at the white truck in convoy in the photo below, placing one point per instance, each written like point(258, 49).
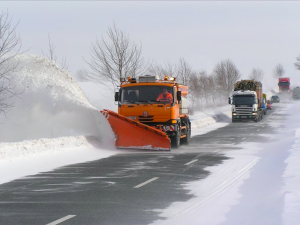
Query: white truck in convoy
point(246, 101)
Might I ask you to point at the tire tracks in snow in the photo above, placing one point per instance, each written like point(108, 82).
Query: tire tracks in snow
point(179, 211)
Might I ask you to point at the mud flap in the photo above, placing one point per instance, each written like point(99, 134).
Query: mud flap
point(135, 135)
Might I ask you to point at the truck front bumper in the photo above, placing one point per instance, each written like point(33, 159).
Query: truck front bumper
point(244, 117)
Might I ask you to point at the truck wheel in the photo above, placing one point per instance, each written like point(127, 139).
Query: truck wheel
point(186, 139)
point(175, 140)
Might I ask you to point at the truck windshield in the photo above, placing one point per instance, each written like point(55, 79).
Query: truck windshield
point(283, 84)
point(149, 94)
point(244, 100)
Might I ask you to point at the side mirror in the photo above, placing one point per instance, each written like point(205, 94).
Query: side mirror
point(116, 96)
point(229, 101)
point(179, 95)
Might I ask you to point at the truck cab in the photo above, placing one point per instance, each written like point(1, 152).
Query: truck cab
point(284, 84)
point(246, 101)
point(245, 106)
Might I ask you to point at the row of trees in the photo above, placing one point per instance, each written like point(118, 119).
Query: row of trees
point(116, 56)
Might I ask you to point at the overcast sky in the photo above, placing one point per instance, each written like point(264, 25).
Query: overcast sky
point(257, 34)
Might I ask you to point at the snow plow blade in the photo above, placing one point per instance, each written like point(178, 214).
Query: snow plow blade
point(135, 135)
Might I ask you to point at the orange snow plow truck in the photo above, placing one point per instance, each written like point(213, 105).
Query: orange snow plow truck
point(152, 114)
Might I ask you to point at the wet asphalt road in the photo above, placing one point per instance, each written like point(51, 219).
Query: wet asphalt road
point(123, 189)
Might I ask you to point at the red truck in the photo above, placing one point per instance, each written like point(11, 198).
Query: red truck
point(284, 84)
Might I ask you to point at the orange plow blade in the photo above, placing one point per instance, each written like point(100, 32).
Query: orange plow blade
point(132, 134)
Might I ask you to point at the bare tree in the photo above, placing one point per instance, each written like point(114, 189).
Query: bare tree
point(81, 75)
point(10, 46)
point(52, 55)
point(194, 90)
point(278, 71)
point(156, 70)
point(297, 64)
point(168, 69)
point(183, 71)
point(256, 74)
point(213, 89)
point(226, 74)
point(204, 84)
point(115, 58)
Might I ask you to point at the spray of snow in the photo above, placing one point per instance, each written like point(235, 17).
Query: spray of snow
point(52, 123)
point(51, 104)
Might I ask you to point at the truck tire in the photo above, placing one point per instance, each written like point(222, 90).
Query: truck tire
point(186, 139)
point(175, 140)
point(257, 119)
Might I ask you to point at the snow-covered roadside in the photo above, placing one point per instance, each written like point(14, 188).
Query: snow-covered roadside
point(210, 119)
point(292, 184)
point(291, 176)
point(36, 156)
point(265, 176)
point(16, 150)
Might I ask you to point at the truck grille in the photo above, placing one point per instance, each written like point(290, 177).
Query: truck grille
point(145, 119)
point(243, 110)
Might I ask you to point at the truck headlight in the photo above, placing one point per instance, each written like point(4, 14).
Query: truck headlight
point(132, 117)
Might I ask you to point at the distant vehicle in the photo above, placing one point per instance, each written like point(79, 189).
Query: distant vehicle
point(275, 98)
point(284, 84)
point(269, 104)
point(296, 93)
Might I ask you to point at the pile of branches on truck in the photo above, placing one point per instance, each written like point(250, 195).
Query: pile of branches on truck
point(251, 85)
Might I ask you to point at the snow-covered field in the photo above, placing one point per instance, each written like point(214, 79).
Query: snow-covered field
point(56, 122)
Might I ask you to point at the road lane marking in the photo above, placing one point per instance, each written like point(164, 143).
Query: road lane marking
point(258, 130)
point(146, 182)
point(61, 220)
point(243, 138)
point(252, 134)
point(195, 160)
